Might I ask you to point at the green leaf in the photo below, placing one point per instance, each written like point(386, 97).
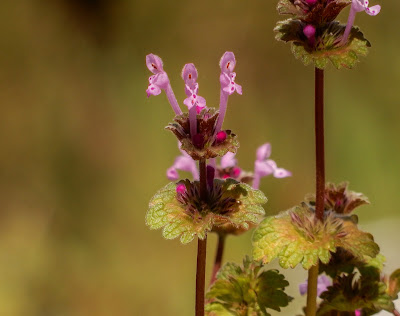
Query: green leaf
point(394, 284)
point(246, 291)
point(357, 242)
point(327, 48)
point(351, 292)
point(231, 204)
point(166, 211)
point(296, 236)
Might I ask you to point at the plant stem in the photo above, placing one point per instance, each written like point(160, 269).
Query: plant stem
point(396, 313)
point(320, 182)
point(319, 143)
point(201, 248)
point(201, 276)
point(311, 309)
point(203, 179)
point(218, 257)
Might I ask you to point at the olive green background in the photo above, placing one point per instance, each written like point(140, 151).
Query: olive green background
point(82, 150)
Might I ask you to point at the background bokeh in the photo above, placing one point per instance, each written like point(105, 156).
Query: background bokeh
point(82, 150)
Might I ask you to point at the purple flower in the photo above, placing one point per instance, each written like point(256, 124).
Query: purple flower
point(358, 312)
point(194, 99)
point(189, 75)
point(228, 85)
point(181, 188)
point(264, 167)
point(228, 160)
point(184, 163)
point(358, 6)
point(322, 285)
point(194, 102)
point(159, 81)
point(309, 32)
point(228, 167)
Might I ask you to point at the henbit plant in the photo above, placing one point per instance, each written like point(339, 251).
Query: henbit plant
point(320, 233)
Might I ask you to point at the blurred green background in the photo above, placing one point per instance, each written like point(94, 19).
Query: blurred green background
point(82, 150)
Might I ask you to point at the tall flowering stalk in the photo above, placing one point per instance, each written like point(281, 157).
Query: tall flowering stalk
point(211, 202)
point(317, 234)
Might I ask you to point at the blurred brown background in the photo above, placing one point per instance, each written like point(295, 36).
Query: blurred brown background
point(82, 149)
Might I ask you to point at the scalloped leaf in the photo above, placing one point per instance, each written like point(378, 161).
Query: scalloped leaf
point(166, 211)
point(296, 236)
point(327, 46)
point(246, 291)
point(187, 221)
point(351, 292)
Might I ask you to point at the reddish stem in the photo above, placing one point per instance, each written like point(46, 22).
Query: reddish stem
point(218, 257)
point(319, 143)
point(201, 276)
point(201, 248)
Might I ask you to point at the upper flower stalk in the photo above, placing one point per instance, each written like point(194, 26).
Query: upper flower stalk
point(228, 85)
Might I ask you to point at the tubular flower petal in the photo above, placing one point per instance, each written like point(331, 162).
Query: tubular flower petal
point(228, 85)
point(358, 6)
point(159, 81)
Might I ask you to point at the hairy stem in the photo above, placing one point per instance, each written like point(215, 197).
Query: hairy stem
point(319, 143)
point(320, 182)
point(201, 248)
point(203, 179)
point(218, 257)
point(311, 309)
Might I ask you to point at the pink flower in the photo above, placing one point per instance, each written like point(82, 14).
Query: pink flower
point(184, 163)
point(228, 85)
point(194, 99)
point(189, 76)
point(194, 102)
point(159, 81)
point(264, 167)
point(358, 6)
point(323, 283)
